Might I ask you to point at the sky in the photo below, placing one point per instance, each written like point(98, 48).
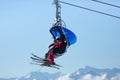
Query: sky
point(24, 29)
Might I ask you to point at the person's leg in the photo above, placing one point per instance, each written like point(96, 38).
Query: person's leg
point(46, 55)
point(50, 57)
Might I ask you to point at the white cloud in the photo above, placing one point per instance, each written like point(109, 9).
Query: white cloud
point(90, 77)
point(66, 77)
point(87, 77)
point(116, 77)
point(27, 76)
point(78, 73)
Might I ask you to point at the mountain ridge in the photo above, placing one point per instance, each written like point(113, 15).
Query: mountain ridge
point(87, 73)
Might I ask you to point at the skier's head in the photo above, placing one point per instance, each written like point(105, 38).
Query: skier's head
point(57, 38)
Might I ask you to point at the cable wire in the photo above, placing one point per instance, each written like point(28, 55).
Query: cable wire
point(106, 3)
point(90, 9)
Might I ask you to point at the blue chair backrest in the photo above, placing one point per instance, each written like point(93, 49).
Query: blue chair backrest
point(58, 31)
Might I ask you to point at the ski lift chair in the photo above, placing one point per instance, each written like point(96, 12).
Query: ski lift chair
point(67, 36)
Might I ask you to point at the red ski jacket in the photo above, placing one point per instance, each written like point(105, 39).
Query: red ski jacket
point(56, 44)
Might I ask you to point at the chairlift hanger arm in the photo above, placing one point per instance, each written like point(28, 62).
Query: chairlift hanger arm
point(58, 12)
point(90, 9)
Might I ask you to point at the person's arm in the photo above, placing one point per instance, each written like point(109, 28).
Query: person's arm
point(51, 45)
point(58, 43)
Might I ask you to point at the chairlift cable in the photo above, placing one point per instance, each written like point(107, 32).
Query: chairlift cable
point(90, 9)
point(106, 3)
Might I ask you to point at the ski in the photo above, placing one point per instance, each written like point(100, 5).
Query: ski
point(42, 62)
point(36, 56)
point(33, 58)
point(58, 65)
point(46, 65)
point(50, 65)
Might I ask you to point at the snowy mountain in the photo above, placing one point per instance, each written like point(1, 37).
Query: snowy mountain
point(87, 73)
point(40, 76)
point(90, 73)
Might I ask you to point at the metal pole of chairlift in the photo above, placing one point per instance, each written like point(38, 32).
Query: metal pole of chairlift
point(58, 12)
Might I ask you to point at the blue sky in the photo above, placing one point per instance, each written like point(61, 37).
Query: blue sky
point(24, 29)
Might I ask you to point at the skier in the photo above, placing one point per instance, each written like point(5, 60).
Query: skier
point(63, 38)
point(55, 49)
